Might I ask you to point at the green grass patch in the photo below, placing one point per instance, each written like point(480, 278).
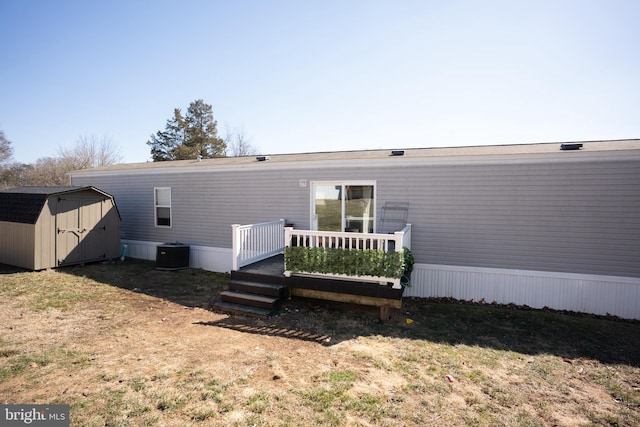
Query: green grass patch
point(7, 349)
point(342, 378)
point(16, 364)
point(369, 406)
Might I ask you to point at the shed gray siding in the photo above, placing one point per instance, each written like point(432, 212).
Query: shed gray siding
point(562, 212)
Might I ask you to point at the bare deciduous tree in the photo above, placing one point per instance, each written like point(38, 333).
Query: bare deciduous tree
point(238, 144)
point(7, 167)
point(91, 152)
point(49, 171)
point(88, 152)
point(14, 174)
point(6, 151)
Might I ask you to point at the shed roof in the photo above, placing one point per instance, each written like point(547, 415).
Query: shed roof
point(24, 204)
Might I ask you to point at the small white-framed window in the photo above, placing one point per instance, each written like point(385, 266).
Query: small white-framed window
point(162, 206)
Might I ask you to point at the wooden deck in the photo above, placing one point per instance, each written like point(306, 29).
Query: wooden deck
point(273, 266)
point(267, 279)
point(271, 271)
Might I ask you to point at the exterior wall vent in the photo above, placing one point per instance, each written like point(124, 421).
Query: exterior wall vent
point(569, 147)
point(397, 152)
point(262, 158)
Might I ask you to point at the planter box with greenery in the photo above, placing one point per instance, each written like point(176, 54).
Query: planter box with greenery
point(352, 264)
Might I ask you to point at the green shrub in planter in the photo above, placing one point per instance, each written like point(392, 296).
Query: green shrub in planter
point(408, 260)
point(349, 262)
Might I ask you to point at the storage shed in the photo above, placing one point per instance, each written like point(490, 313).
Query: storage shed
point(46, 227)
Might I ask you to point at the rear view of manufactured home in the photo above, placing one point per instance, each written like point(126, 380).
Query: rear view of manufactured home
point(46, 227)
point(544, 225)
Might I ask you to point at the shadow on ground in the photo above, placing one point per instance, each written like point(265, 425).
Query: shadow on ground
point(188, 287)
point(9, 269)
point(518, 329)
point(507, 328)
point(241, 324)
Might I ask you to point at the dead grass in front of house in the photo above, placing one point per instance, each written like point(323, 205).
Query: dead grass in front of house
point(126, 345)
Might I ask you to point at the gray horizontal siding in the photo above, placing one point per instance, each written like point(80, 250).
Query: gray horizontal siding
point(568, 217)
point(565, 215)
point(204, 205)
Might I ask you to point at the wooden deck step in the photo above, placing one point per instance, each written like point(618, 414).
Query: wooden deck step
point(245, 310)
point(257, 277)
point(257, 295)
point(263, 287)
point(257, 288)
point(251, 300)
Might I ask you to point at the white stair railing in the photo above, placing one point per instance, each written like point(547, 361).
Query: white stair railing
point(255, 242)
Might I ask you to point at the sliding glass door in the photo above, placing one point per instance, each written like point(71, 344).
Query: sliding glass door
point(343, 206)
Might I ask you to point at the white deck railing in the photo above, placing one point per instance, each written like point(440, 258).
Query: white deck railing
point(255, 242)
point(348, 240)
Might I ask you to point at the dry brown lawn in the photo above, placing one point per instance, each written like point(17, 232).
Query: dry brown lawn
point(126, 345)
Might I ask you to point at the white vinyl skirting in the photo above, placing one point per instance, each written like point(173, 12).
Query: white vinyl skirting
point(204, 257)
point(584, 293)
point(594, 294)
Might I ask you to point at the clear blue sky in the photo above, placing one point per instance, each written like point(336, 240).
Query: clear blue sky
point(327, 75)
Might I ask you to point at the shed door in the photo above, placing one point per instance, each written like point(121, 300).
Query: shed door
point(81, 234)
point(69, 232)
point(92, 218)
